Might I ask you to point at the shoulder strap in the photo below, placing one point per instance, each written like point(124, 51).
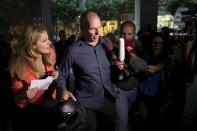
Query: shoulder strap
point(108, 46)
point(107, 43)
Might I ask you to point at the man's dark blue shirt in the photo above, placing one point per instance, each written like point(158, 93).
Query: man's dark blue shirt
point(91, 68)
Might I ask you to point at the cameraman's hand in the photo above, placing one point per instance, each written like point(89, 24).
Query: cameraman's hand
point(152, 68)
point(66, 94)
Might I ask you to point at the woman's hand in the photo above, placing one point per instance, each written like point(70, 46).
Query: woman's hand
point(35, 95)
point(55, 74)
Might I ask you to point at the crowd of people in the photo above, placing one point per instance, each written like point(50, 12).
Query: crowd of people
point(155, 72)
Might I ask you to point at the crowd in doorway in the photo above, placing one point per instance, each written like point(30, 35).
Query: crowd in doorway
point(157, 70)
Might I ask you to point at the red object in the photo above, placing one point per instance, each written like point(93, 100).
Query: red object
point(129, 46)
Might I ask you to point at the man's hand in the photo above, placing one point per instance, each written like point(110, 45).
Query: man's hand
point(66, 94)
point(119, 65)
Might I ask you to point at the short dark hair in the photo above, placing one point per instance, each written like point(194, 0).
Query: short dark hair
point(130, 23)
point(61, 32)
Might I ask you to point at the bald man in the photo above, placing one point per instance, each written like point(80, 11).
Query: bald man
point(91, 67)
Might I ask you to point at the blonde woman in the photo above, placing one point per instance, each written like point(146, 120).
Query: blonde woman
point(34, 59)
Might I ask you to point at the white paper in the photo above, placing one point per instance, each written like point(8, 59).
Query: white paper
point(41, 83)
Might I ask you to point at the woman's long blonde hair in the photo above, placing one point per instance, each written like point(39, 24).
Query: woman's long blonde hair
point(25, 54)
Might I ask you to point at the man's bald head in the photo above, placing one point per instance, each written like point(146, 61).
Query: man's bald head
point(86, 18)
point(90, 25)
